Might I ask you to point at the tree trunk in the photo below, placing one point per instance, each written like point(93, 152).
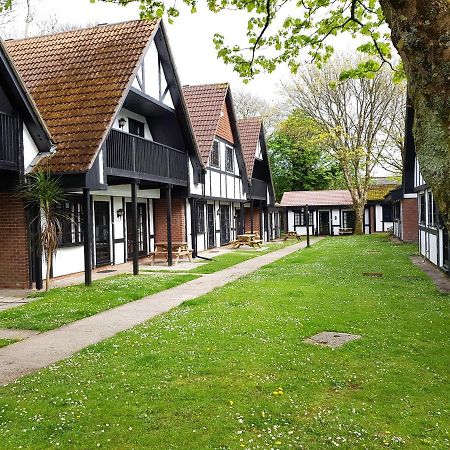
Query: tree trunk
point(359, 218)
point(49, 268)
point(420, 31)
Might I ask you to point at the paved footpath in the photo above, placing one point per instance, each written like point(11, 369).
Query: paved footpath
point(40, 351)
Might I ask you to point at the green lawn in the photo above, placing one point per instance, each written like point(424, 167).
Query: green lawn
point(64, 305)
point(230, 370)
point(237, 256)
point(5, 342)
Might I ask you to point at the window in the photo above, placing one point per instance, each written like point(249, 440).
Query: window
point(299, 218)
point(70, 220)
point(229, 159)
point(397, 211)
point(387, 213)
point(215, 155)
point(348, 219)
point(422, 209)
point(135, 127)
point(432, 211)
point(200, 217)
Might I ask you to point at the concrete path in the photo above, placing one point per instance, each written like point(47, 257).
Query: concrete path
point(47, 348)
point(17, 334)
point(439, 278)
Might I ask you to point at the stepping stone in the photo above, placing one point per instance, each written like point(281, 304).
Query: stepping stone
point(331, 339)
point(17, 334)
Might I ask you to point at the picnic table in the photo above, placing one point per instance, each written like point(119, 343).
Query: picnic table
point(179, 250)
point(292, 235)
point(250, 239)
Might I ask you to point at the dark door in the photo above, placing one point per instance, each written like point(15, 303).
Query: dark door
point(224, 225)
point(324, 222)
point(211, 227)
point(142, 230)
point(239, 222)
point(102, 237)
point(446, 243)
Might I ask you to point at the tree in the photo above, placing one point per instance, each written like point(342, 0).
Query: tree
point(298, 158)
point(353, 116)
point(249, 105)
point(419, 30)
point(42, 190)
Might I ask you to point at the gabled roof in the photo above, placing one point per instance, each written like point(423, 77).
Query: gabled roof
point(205, 104)
point(378, 192)
point(78, 80)
point(317, 198)
point(23, 102)
point(249, 132)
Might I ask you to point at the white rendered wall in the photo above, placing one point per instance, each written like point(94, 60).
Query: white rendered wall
point(126, 114)
point(30, 151)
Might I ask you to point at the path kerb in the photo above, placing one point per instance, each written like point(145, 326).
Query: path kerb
point(44, 349)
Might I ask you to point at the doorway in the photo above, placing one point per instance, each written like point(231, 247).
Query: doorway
point(324, 223)
point(224, 225)
point(211, 226)
point(142, 229)
point(102, 234)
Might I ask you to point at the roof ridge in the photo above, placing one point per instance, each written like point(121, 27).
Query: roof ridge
point(224, 84)
point(78, 30)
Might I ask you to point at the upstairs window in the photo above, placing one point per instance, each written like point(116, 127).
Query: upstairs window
point(70, 221)
point(214, 160)
point(135, 127)
point(422, 209)
point(229, 159)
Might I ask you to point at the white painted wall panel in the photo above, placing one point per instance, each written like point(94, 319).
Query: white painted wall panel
point(30, 151)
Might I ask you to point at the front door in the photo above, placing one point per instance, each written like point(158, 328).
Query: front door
point(142, 230)
point(102, 236)
point(211, 226)
point(324, 222)
point(224, 225)
point(446, 243)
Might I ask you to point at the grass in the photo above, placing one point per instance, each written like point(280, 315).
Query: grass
point(237, 256)
point(5, 342)
point(229, 370)
point(64, 305)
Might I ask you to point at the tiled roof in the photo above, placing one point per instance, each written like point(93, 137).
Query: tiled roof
point(317, 198)
point(205, 104)
point(249, 131)
point(77, 79)
point(379, 191)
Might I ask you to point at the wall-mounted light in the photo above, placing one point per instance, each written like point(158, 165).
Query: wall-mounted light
point(119, 213)
point(122, 122)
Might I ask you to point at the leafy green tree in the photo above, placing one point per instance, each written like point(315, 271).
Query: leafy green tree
point(279, 31)
point(298, 157)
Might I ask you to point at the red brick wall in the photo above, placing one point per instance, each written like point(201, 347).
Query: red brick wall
point(13, 242)
point(224, 126)
point(178, 220)
point(410, 220)
point(256, 220)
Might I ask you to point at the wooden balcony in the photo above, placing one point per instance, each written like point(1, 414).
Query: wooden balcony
point(134, 157)
point(259, 189)
point(10, 142)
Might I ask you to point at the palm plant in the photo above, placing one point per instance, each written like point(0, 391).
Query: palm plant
point(41, 189)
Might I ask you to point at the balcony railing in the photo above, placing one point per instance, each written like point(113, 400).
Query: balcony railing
point(259, 189)
point(132, 156)
point(10, 130)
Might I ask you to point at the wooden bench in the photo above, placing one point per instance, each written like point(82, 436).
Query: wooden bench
point(343, 231)
point(179, 250)
point(292, 235)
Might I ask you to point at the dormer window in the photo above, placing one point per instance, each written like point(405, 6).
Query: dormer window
point(215, 156)
point(135, 127)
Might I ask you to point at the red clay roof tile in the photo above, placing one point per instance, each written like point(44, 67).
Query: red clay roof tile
point(249, 132)
point(77, 79)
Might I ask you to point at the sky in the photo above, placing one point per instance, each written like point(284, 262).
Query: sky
point(190, 38)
